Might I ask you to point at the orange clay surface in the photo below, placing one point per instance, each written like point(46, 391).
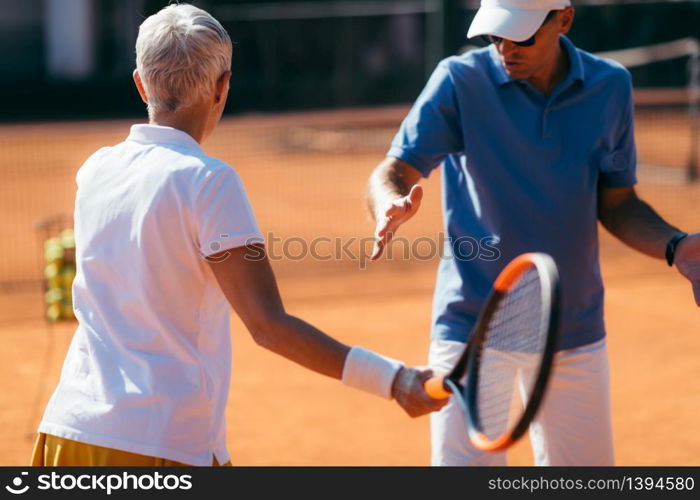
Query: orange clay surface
point(281, 414)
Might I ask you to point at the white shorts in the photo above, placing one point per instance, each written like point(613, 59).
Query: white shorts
point(573, 426)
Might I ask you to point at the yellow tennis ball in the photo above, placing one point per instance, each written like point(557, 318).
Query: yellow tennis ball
point(52, 271)
point(54, 296)
point(53, 312)
point(67, 238)
point(52, 242)
point(53, 253)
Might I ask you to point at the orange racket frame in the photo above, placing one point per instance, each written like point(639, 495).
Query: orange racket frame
point(441, 387)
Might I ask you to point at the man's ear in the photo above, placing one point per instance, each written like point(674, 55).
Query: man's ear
point(566, 19)
point(221, 87)
point(139, 86)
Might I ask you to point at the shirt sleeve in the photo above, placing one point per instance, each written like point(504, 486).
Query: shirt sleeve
point(431, 130)
point(618, 167)
point(223, 214)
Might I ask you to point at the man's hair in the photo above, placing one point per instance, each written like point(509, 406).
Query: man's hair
point(180, 53)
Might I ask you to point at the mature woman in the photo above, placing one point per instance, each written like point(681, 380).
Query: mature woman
point(166, 241)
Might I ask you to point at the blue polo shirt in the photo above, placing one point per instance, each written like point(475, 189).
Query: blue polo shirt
point(521, 174)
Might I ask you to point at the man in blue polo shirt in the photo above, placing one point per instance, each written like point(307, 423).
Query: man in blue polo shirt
point(537, 142)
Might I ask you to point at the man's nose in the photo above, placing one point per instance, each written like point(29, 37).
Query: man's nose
point(506, 47)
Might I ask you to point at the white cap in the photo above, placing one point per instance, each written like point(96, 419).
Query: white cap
point(515, 20)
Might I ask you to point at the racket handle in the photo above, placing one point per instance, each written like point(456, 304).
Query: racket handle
point(436, 389)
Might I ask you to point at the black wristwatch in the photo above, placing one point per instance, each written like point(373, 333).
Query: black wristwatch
point(671, 247)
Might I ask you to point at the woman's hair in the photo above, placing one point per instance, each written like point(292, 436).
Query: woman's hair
point(180, 53)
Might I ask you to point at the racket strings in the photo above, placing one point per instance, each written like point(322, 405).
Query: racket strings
point(511, 355)
point(516, 323)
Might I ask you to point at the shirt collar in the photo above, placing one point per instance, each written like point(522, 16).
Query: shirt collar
point(576, 72)
point(158, 134)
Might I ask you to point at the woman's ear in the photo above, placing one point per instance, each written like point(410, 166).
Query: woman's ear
point(221, 88)
point(139, 86)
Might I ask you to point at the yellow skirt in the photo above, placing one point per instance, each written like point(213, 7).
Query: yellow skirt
point(53, 451)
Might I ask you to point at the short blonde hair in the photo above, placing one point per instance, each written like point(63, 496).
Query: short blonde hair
point(181, 51)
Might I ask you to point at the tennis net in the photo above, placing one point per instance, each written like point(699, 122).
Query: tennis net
point(306, 172)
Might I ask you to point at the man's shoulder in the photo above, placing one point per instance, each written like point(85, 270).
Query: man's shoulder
point(471, 60)
point(597, 67)
point(470, 69)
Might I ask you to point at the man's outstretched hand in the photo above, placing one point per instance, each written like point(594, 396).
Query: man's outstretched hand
point(391, 217)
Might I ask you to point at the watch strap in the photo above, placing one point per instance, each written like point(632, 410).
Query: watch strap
point(671, 247)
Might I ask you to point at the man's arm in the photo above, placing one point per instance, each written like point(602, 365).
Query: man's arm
point(393, 197)
point(633, 221)
point(637, 225)
point(247, 280)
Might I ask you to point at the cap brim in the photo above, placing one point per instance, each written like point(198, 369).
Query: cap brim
point(512, 24)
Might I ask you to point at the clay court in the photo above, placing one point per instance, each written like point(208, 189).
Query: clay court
point(306, 176)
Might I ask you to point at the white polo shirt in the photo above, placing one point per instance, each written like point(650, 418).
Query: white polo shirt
point(149, 365)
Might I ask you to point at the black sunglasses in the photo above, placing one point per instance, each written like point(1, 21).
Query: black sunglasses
point(525, 43)
point(497, 39)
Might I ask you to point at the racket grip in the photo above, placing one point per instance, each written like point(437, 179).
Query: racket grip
point(436, 389)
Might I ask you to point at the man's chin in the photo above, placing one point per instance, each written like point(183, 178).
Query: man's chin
point(516, 73)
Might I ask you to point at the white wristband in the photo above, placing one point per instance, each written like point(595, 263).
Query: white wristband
point(370, 372)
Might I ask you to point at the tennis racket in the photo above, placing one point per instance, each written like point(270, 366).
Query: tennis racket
point(508, 358)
